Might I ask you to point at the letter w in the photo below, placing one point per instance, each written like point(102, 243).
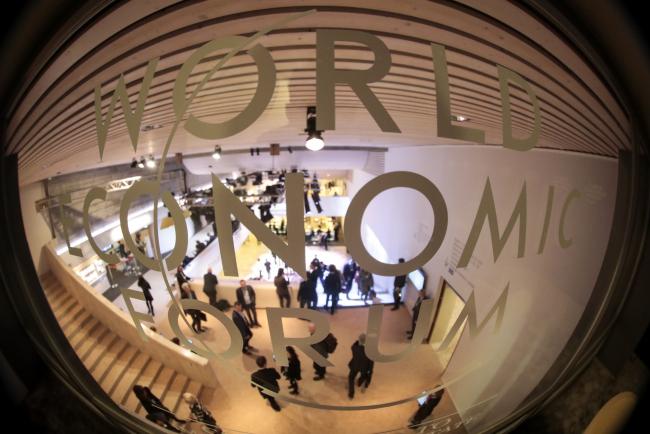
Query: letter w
point(133, 119)
point(469, 312)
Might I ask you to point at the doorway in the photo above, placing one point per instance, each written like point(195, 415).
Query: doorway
point(449, 308)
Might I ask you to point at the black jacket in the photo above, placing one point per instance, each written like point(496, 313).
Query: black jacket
point(210, 283)
point(332, 284)
point(266, 377)
point(281, 285)
point(360, 361)
point(321, 347)
point(304, 291)
point(240, 322)
point(240, 295)
point(293, 370)
point(145, 286)
point(400, 281)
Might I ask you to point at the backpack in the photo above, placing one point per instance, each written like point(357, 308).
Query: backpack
point(330, 343)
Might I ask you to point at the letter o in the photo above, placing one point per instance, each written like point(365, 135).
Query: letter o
point(180, 246)
point(257, 105)
point(93, 194)
point(352, 227)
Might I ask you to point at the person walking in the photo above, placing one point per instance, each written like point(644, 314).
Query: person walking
point(266, 378)
point(425, 409)
point(359, 364)
point(304, 292)
point(244, 330)
point(313, 286)
point(282, 289)
point(181, 277)
point(349, 270)
point(267, 265)
point(246, 296)
point(292, 371)
point(201, 414)
point(325, 347)
point(146, 290)
point(210, 283)
point(156, 411)
point(365, 284)
point(398, 284)
point(332, 287)
point(189, 294)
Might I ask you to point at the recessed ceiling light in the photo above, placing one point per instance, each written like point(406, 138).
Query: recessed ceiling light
point(459, 118)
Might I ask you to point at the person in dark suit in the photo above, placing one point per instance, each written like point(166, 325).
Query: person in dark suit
point(267, 378)
point(188, 293)
point(416, 312)
point(398, 285)
point(292, 371)
point(424, 410)
point(240, 322)
point(332, 286)
point(359, 364)
point(181, 277)
point(156, 411)
point(282, 289)
point(321, 348)
point(349, 271)
point(210, 283)
point(304, 292)
point(146, 290)
point(313, 284)
point(246, 296)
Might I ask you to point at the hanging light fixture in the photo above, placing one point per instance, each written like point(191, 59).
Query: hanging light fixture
point(314, 140)
point(217, 152)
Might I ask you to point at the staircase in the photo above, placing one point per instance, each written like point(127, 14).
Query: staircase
point(115, 364)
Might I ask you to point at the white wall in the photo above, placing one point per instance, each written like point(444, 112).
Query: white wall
point(36, 229)
point(547, 293)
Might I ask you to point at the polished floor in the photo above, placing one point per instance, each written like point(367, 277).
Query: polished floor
point(239, 408)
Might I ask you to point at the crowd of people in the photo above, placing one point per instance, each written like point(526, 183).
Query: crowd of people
point(265, 378)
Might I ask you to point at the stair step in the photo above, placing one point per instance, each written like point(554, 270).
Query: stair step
point(90, 332)
point(108, 360)
point(55, 295)
point(65, 303)
point(173, 393)
point(160, 385)
point(98, 353)
point(69, 314)
point(71, 324)
point(147, 378)
point(102, 337)
point(113, 375)
point(79, 325)
point(129, 377)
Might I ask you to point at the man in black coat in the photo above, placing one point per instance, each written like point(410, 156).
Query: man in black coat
point(398, 285)
point(210, 286)
point(332, 286)
point(240, 322)
point(359, 364)
point(322, 349)
point(425, 409)
point(246, 296)
point(267, 378)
